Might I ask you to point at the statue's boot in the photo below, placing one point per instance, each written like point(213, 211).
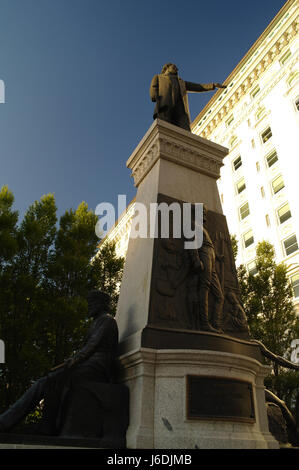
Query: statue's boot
point(22, 407)
point(204, 312)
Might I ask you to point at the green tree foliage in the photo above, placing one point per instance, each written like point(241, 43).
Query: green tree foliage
point(45, 274)
point(267, 297)
point(8, 222)
point(107, 270)
point(234, 242)
point(286, 386)
point(21, 297)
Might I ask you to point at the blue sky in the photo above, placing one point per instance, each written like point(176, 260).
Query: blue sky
point(77, 76)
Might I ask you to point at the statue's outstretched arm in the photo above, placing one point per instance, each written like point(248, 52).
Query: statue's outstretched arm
point(199, 87)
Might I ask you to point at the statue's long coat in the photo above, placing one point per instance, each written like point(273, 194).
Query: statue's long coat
point(161, 86)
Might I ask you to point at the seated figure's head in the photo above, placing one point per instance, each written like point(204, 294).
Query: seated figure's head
point(98, 303)
point(169, 69)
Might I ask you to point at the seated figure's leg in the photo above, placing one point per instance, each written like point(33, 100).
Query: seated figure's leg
point(23, 406)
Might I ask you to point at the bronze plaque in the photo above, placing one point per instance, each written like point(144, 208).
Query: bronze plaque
point(219, 398)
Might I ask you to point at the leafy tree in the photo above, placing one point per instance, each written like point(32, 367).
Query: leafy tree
point(45, 274)
point(21, 297)
point(107, 271)
point(268, 300)
point(8, 222)
point(234, 242)
point(68, 280)
point(267, 297)
point(286, 386)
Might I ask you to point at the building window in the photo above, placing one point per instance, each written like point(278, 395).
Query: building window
point(251, 268)
point(248, 238)
point(295, 284)
point(233, 141)
point(240, 186)
point(268, 223)
point(290, 245)
point(244, 211)
point(277, 184)
point(297, 103)
point(255, 92)
point(253, 143)
point(266, 135)
point(293, 78)
point(237, 163)
point(229, 121)
point(260, 112)
point(284, 213)
point(271, 158)
point(262, 191)
point(257, 164)
point(285, 57)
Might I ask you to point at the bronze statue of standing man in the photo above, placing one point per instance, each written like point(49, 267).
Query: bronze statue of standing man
point(169, 92)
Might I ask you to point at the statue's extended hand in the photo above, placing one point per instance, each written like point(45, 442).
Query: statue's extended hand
point(219, 85)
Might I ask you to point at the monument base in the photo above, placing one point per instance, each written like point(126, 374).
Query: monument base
point(195, 399)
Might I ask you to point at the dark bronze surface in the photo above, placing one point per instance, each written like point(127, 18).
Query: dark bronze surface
point(169, 92)
point(219, 398)
point(80, 400)
point(180, 297)
point(170, 338)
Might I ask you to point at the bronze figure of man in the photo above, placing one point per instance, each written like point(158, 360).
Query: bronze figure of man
point(93, 363)
point(169, 92)
point(205, 281)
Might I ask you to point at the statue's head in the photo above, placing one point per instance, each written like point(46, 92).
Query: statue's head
point(169, 69)
point(98, 303)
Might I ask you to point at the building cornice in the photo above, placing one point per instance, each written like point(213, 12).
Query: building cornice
point(248, 109)
point(164, 141)
point(266, 49)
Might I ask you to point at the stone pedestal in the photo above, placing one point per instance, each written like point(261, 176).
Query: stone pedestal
point(170, 162)
point(159, 348)
point(159, 419)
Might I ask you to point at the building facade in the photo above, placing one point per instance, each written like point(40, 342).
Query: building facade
point(257, 118)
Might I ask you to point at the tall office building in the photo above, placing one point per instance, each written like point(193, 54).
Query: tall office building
point(257, 118)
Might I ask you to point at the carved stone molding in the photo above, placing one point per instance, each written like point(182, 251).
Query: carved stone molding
point(169, 142)
point(254, 74)
point(247, 110)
